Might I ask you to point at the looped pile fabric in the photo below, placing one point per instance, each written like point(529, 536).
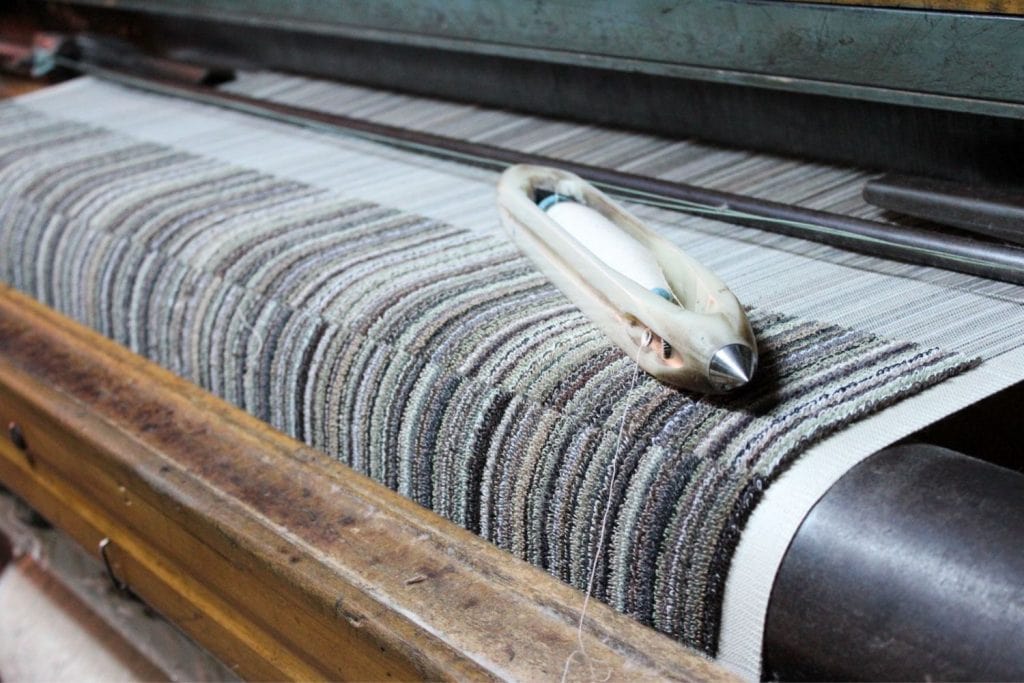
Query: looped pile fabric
point(433, 358)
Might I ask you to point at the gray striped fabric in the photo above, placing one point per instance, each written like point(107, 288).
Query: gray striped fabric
point(782, 179)
point(800, 182)
point(433, 358)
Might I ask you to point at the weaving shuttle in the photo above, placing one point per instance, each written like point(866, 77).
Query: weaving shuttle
point(660, 306)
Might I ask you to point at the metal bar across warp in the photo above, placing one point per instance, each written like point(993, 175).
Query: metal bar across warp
point(911, 245)
point(280, 560)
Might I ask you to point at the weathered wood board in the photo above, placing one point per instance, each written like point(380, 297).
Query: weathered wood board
point(280, 560)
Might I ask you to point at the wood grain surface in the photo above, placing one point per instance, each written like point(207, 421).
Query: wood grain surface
point(280, 560)
point(12, 86)
point(973, 6)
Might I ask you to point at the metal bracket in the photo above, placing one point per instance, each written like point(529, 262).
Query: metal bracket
point(121, 586)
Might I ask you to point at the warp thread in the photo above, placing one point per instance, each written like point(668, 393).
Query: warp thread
point(431, 357)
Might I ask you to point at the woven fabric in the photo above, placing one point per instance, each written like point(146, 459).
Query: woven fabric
point(433, 358)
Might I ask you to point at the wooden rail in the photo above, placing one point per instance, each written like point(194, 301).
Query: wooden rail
point(974, 6)
point(283, 562)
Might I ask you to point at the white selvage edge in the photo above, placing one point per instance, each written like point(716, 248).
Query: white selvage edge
point(786, 503)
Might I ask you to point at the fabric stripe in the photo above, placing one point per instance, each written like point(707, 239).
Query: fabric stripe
point(433, 358)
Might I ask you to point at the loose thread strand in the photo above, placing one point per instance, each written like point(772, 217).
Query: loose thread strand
point(581, 648)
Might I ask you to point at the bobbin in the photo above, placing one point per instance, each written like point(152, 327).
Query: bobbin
point(711, 346)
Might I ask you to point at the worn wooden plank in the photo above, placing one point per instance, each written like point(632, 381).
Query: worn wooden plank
point(975, 6)
point(173, 653)
point(173, 591)
point(12, 86)
point(277, 558)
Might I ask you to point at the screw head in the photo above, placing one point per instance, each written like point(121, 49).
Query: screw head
point(17, 438)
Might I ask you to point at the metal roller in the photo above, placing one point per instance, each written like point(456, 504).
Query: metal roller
point(909, 568)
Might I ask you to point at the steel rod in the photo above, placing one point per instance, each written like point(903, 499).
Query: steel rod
point(908, 244)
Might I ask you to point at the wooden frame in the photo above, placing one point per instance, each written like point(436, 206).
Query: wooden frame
point(280, 560)
point(978, 6)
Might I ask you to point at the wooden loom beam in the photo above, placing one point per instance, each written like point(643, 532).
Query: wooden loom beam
point(277, 558)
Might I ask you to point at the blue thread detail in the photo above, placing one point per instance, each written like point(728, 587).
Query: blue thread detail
point(664, 294)
point(551, 200)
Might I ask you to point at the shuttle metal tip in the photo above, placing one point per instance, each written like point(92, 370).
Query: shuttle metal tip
point(732, 366)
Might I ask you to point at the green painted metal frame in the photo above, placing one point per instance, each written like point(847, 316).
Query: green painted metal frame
point(957, 61)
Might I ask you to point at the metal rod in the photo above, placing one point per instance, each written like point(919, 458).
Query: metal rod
point(993, 213)
point(909, 568)
point(907, 244)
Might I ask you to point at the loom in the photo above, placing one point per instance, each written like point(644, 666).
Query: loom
point(267, 356)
